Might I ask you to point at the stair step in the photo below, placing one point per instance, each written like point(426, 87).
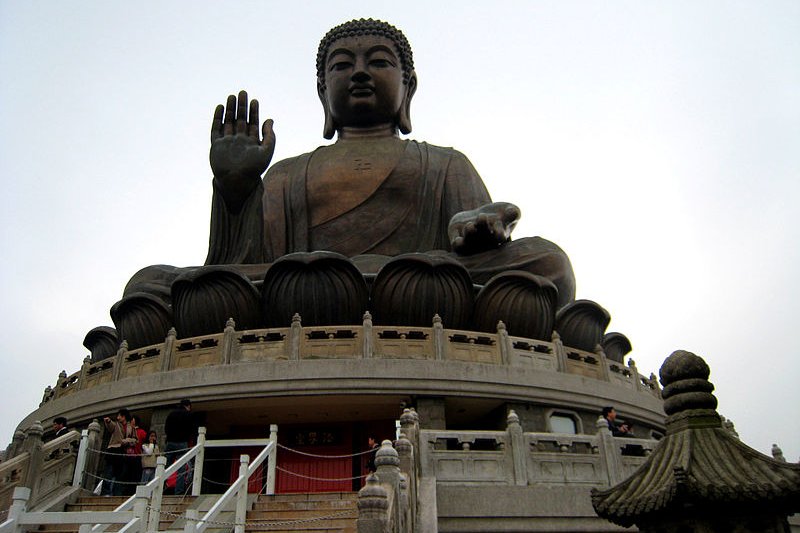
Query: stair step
point(271, 512)
point(303, 505)
point(310, 497)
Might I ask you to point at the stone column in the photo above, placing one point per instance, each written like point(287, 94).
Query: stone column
point(516, 442)
point(228, 341)
point(367, 343)
point(33, 445)
point(169, 350)
point(373, 506)
point(93, 458)
point(295, 334)
point(610, 456)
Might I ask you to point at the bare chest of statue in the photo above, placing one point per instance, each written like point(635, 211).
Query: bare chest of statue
point(344, 175)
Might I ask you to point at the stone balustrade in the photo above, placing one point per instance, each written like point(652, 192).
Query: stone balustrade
point(497, 457)
point(350, 342)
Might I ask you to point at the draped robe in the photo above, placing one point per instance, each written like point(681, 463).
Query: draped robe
point(408, 212)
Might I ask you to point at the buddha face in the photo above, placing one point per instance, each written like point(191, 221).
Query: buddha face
point(363, 82)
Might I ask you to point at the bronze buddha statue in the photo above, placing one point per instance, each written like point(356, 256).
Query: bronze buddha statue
point(371, 196)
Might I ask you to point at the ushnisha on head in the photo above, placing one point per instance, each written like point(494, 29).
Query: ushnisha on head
point(365, 76)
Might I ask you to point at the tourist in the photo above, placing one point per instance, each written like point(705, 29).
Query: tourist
point(59, 426)
point(119, 441)
point(150, 453)
point(374, 447)
point(617, 429)
point(180, 428)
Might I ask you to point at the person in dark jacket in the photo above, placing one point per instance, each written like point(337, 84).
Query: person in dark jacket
point(617, 429)
point(181, 428)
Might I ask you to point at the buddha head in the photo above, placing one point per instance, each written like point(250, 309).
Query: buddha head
point(365, 77)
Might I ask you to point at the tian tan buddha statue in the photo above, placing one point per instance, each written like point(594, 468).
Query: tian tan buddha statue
point(373, 222)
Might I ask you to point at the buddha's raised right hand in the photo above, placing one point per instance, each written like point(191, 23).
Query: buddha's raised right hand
point(238, 155)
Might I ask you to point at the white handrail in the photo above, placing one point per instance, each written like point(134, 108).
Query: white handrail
point(238, 487)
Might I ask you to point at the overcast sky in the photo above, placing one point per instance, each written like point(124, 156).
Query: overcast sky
point(658, 143)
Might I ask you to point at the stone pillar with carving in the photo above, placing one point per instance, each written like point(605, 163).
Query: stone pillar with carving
point(518, 450)
point(373, 507)
point(33, 445)
point(93, 459)
point(610, 455)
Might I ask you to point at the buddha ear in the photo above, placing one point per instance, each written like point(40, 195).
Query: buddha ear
point(404, 120)
point(329, 128)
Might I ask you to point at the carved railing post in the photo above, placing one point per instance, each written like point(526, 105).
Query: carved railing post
point(119, 359)
point(635, 374)
point(387, 466)
point(33, 445)
point(367, 342)
point(84, 368)
point(46, 395)
point(228, 341)
point(93, 448)
point(505, 343)
point(438, 338)
point(610, 455)
point(62, 376)
point(561, 353)
point(656, 386)
point(603, 361)
point(15, 448)
point(517, 444)
point(295, 336)
point(169, 350)
point(408, 480)
point(373, 507)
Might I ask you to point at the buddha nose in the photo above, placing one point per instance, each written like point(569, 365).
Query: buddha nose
point(360, 73)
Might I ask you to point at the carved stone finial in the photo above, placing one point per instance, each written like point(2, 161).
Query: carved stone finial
point(34, 429)
point(602, 423)
point(555, 337)
point(373, 499)
point(407, 418)
point(777, 453)
point(48, 389)
point(512, 417)
point(501, 326)
point(402, 445)
point(123, 346)
point(684, 376)
point(87, 359)
point(367, 316)
point(172, 333)
point(437, 319)
point(95, 425)
point(296, 319)
point(62, 374)
point(386, 455)
point(230, 323)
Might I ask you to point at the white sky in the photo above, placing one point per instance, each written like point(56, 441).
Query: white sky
point(658, 143)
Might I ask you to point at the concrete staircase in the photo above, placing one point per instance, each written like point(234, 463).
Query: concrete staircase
point(333, 512)
point(171, 504)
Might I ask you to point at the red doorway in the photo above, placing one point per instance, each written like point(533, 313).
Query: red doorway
point(315, 458)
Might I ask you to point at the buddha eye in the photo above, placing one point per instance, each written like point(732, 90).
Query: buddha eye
point(341, 65)
point(380, 63)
